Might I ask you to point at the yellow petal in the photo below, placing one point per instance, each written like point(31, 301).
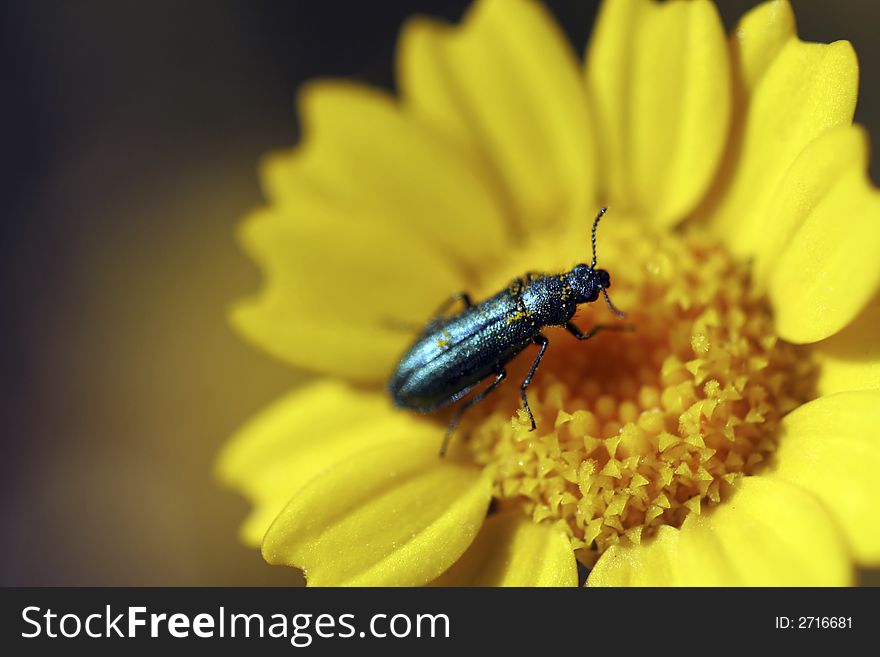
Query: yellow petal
point(396, 515)
point(304, 433)
point(505, 85)
point(659, 82)
point(511, 550)
point(334, 288)
point(794, 91)
point(831, 267)
point(358, 353)
point(850, 359)
point(823, 164)
point(759, 36)
point(364, 159)
point(831, 447)
point(769, 533)
point(654, 562)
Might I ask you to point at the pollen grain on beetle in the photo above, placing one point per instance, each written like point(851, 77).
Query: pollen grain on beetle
point(639, 429)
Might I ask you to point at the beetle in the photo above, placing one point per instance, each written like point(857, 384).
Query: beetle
point(454, 353)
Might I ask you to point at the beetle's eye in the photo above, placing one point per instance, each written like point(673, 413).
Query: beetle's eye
point(604, 278)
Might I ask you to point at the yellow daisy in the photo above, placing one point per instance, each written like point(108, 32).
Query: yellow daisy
point(730, 439)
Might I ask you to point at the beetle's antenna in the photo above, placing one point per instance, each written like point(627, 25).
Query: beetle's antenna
point(593, 238)
point(614, 308)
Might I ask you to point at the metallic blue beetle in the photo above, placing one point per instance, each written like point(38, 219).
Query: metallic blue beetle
point(453, 353)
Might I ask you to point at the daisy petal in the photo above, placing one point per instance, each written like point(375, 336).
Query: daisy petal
point(330, 305)
point(822, 164)
point(357, 353)
point(794, 91)
point(850, 359)
point(396, 515)
point(826, 276)
point(831, 447)
point(363, 158)
point(654, 562)
point(768, 533)
point(508, 81)
point(659, 81)
point(511, 550)
point(760, 35)
point(301, 435)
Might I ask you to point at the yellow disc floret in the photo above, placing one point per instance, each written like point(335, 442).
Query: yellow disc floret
point(639, 429)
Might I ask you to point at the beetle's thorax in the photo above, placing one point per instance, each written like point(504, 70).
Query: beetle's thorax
point(549, 300)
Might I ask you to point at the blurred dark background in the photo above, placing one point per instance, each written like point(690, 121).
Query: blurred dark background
point(131, 136)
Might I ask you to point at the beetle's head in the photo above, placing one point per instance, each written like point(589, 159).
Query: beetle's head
point(586, 282)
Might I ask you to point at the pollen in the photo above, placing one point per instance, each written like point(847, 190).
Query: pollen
point(638, 429)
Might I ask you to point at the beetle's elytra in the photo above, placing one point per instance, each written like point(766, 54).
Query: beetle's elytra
point(455, 352)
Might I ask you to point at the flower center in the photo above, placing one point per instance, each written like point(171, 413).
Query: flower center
point(640, 429)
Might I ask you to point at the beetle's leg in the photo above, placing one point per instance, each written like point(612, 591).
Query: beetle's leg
point(576, 332)
point(480, 396)
point(464, 297)
point(540, 340)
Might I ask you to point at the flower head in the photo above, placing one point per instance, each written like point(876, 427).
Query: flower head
point(729, 439)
